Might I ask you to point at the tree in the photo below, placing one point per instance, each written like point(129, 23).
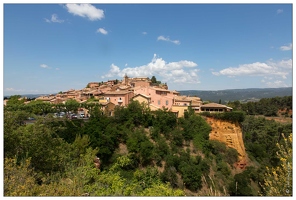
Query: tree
point(139, 144)
point(278, 180)
point(19, 179)
point(39, 142)
point(153, 79)
point(231, 155)
point(15, 100)
point(241, 185)
point(39, 107)
point(71, 105)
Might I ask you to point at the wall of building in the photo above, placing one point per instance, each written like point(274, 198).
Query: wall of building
point(121, 99)
point(180, 109)
point(141, 99)
point(142, 84)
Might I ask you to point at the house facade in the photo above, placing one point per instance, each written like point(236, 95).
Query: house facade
point(119, 97)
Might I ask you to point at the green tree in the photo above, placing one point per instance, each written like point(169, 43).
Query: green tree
point(279, 180)
point(241, 185)
point(72, 105)
point(13, 120)
point(139, 144)
point(39, 107)
point(153, 79)
point(38, 142)
point(19, 179)
point(231, 155)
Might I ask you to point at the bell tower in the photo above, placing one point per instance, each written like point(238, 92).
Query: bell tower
point(125, 79)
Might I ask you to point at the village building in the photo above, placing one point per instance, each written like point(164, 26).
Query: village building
point(108, 108)
point(181, 105)
point(142, 98)
point(119, 97)
point(215, 107)
point(158, 97)
point(93, 85)
point(46, 98)
point(119, 93)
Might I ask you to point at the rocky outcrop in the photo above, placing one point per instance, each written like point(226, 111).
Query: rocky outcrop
point(231, 135)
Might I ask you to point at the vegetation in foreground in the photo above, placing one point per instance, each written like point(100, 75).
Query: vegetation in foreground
point(142, 153)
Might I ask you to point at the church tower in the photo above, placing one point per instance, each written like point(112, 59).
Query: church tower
point(125, 79)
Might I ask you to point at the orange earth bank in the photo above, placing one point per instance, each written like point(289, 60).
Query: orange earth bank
point(231, 135)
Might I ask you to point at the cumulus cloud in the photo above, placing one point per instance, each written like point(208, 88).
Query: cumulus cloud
point(44, 66)
point(270, 68)
point(54, 18)
point(178, 72)
point(286, 48)
point(276, 84)
point(85, 10)
point(167, 39)
point(103, 31)
point(13, 90)
point(279, 11)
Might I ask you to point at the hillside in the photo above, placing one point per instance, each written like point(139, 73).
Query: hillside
point(139, 152)
point(231, 135)
point(243, 95)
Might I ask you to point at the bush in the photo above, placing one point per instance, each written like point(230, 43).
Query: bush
point(231, 155)
point(217, 147)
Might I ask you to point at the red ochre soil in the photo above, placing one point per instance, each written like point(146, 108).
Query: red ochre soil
point(231, 135)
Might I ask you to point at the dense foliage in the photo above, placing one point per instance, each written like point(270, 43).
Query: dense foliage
point(142, 153)
point(234, 117)
point(265, 106)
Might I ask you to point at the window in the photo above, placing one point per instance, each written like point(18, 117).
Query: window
point(158, 102)
point(167, 102)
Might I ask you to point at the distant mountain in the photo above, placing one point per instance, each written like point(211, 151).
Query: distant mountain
point(243, 95)
point(30, 96)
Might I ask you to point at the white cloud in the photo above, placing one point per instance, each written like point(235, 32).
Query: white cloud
point(45, 66)
point(144, 33)
point(13, 90)
point(103, 31)
point(177, 72)
point(276, 84)
point(86, 10)
point(271, 68)
point(279, 11)
point(54, 18)
point(286, 48)
point(167, 39)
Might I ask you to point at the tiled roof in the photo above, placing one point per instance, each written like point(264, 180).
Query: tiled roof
point(159, 89)
point(148, 97)
point(117, 92)
point(214, 105)
point(181, 98)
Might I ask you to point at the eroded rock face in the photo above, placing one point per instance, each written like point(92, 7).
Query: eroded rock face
point(231, 135)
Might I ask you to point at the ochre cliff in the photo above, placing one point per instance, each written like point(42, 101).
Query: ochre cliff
point(231, 135)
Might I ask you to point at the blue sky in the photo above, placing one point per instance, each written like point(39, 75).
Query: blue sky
point(56, 47)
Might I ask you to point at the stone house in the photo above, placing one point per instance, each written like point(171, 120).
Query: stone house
point(119, 97)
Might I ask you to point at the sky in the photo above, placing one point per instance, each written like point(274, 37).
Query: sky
point(48, 48)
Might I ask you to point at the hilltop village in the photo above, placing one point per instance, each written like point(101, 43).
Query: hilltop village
point(143, 89)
